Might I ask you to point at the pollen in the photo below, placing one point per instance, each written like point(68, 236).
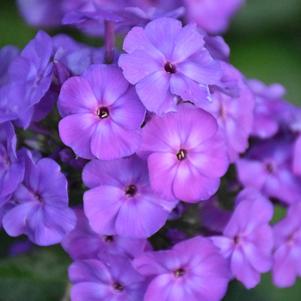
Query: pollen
point(170, 68)
point(181, 154)
point(103, 112)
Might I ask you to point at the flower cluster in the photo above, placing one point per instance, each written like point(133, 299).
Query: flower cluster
point(146, 138)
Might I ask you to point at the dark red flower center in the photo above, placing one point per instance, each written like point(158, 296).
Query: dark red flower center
point(103, 112)
point(179, 272)
point(170, 68)
point(181, 154)
point(269, 167)
point(109, 238)
point(131, 190)
point(118, 287)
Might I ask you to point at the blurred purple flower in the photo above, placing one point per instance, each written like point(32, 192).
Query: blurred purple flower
point(102, 114)
point(30, 77)
point(83, 243)
point(11, 163)
point(120, 200)
point(270, 108)
point(247, 240)
point(267, 167)
point(214, 218)
point(287, 235)
point(192, 270)
point(41, 13)
point(39, 207)
point(7, 55)
point(110, 279)
point(172, 63)
point(234, 114)
point(212, 15)
point(186, 155)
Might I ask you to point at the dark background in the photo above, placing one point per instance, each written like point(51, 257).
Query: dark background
point(265, 41)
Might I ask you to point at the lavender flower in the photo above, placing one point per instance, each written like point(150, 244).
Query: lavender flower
point(247, 240)
point(172, 63)
point(192, 270)
point(102, 114)
point(39, 207)
point(121, 201)
point(30, 78)
point(234, 114)
point(287, 235)
point(267, 167)
point(270, 108)
point(11, 163)
point(83, 243)
point(186, 155)
point(7, 55)
point(112, 278)
point(212, 15)
point(42, 13)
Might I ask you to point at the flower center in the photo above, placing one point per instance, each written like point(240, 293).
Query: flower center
point(118, 287)
point(170, 68)
point(179, 272)
point(269, 167)
point(102, 112)
point(131, 190)
point(181, 154)
point(109, 238)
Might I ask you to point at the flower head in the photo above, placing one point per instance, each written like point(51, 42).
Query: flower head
point(83, 243)
point(287, 235)
point(39, 207)
point(234, 114)
point(101, 114)
point(30, 77)
point(186, 155)
point(11, 162)
point(247, 239)
point(121, 201)
point(192, 270)
point(212, 15)
point(173, 63)
point(271, 110)
point(107, 279)
point(267, 167)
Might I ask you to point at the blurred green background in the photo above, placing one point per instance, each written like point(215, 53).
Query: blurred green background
point(265, 41)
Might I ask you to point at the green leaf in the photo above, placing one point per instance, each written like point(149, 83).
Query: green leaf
point(38, 276)
point(265, 291)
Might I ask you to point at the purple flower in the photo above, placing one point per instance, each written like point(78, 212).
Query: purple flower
point(267, 167)
point(41, 13)
point(121, 201)
point(297, 156)
point(83, 243)
point(212, 15)
point(102, 114)
point(234, 114)
point(214, 218)
point(192, 270)
point(270, 108)
point(123, 13)
point(7, 55)
point(287, 235)
point(39, 207)
point(217, 47)
point(73, 57)
point(186, 155)
point(109, 279)
point(11, 163)
point(172, 63)
point(30, 78)
point(247, 240)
